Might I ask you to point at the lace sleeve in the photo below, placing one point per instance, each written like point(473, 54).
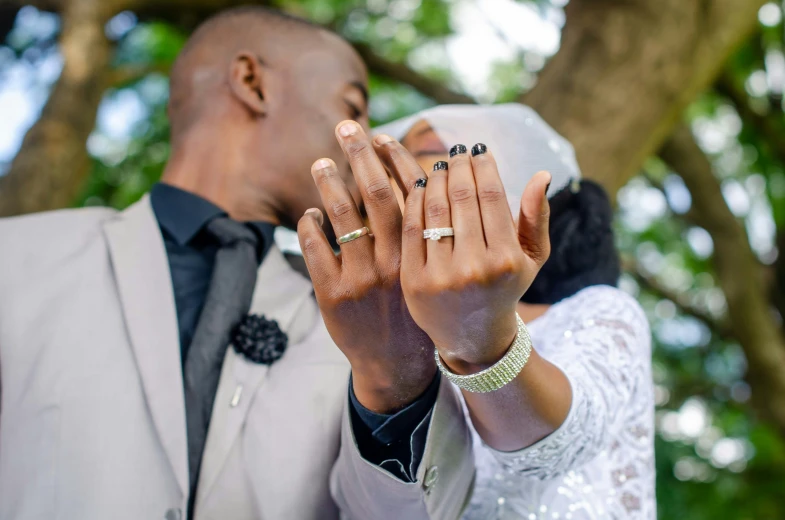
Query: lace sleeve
point(604, 350)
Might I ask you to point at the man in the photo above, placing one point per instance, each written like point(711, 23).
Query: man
point(121, 397)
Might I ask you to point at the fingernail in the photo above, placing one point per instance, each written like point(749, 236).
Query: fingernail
point(458, 148)
point(479, 149)
point(440, 165)
point(347, 129)
point(382, 139)
point(548, 186)
point(316, 214)
point(420, 183)
point(321, 164)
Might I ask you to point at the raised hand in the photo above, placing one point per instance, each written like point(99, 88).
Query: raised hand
point(359, 291)
point(463, 290)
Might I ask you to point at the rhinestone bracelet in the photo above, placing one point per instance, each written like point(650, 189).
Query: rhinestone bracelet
point(501, 372)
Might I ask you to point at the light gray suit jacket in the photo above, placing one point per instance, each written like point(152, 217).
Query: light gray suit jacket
point(92, 418)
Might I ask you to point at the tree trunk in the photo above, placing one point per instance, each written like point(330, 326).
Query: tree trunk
point(740, 276)
point(48, 171)
point(628, 68)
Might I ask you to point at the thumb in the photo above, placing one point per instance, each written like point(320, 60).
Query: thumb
point(534, 217)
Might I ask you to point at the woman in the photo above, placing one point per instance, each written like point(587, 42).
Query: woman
point(575, 439)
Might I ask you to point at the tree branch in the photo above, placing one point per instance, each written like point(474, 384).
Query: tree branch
point(626, 71)
point(122, 76)
point(770, 129)
point(740, 276)
point(400, 72)
point(651, 284)
point(720, 327)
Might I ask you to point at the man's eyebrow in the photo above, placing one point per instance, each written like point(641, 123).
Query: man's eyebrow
point(359, 86)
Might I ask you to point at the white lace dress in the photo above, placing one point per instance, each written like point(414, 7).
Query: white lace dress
point(600, 462)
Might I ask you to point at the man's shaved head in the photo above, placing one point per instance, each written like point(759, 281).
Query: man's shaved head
point(203, 61)
point(256, 94)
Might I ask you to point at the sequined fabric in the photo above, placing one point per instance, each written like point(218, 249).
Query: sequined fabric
point(600, 462)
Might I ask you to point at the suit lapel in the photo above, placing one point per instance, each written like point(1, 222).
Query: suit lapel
point(280, 294)
point(145, 288)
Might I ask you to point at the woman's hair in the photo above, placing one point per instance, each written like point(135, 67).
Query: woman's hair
point(582, 245)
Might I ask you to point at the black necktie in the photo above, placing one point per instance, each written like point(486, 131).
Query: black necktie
point(228, 300)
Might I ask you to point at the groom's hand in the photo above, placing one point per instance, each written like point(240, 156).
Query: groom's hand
point(359, 291)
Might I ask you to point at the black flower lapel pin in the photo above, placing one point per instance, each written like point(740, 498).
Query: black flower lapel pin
point(259, 340)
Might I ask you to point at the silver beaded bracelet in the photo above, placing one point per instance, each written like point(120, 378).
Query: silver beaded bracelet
point(501, 372)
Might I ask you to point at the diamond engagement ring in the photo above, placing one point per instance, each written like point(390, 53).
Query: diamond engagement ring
point(438, 233)
point(354, 235)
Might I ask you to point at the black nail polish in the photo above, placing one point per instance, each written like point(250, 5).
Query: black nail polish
point(479, 149)
point(455, 150)
point(547, 187)
point(420, 183)
point(440, 165)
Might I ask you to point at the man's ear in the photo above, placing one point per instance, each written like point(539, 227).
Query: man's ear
point(246, 82)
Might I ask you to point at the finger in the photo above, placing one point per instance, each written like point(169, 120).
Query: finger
point(413, 247)
point(399, 162)
point(464, 207)
point(341, 209)
point(533, 221)
point(497, 222)
point(322, 264)
point(437, 215)
point(378, 196)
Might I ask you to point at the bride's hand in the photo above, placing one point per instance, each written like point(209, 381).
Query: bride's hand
point(463, 290)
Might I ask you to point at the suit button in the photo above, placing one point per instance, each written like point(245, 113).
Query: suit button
point(431, 477)
point(174, 514)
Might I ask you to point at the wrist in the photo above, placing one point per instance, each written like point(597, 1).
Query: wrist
point(387, 390)
point(484, 353)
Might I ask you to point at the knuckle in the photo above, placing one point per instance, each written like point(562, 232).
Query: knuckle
point(437, 209)
point(436, 285)
point(491, 194)
point(389, 281)
point(469, 275)
point(340, 295)
point(379, 191)
point(341, 210)
point(462, 195)
point(325, 175)
point(309, 245)
point(412, 229)
point(505, 264)
point(356, 148)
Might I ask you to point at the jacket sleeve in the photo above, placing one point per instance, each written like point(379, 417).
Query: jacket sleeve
point(444, 477)
point(607, 360)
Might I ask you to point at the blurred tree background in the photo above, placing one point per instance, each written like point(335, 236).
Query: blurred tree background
point(675, 106)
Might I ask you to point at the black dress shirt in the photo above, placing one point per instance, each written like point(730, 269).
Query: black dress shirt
point(182, 217)
point(395, 442)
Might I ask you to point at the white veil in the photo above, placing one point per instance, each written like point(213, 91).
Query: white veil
point(520, 140)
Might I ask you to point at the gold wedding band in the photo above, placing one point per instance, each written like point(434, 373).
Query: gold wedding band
point(354, 235)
